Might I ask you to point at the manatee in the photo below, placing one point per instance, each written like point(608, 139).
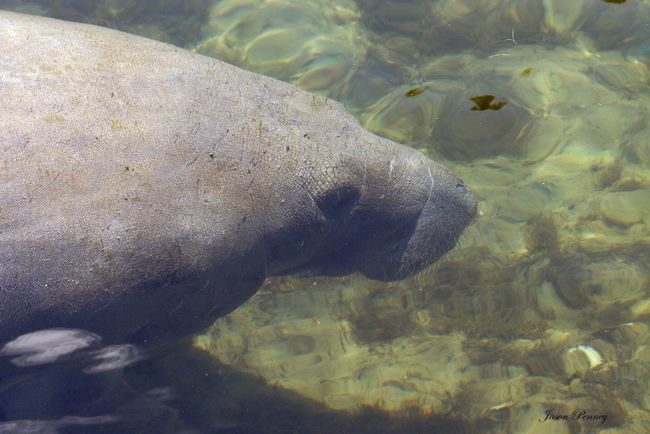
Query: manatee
point(146, 190)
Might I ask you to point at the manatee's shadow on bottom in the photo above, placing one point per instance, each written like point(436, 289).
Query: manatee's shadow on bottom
point(212, 397)
point(179, 390)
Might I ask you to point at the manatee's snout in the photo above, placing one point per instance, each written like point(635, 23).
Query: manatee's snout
point(431, 208)
point(406, 213)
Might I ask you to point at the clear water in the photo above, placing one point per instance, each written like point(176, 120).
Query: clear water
point(536, 322)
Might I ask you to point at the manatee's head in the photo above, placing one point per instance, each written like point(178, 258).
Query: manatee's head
point(383, 209)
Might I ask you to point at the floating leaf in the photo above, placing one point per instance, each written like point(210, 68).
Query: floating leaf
point(415, 91)
point(484, 102)
point(526, 72)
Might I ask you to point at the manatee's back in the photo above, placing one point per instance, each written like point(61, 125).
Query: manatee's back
point(106, 143)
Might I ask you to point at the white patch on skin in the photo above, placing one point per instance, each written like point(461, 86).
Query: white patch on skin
point(363, 182)
point(391, 166)
point(432, 184)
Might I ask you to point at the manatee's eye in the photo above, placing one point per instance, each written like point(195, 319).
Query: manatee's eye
point(338, 201)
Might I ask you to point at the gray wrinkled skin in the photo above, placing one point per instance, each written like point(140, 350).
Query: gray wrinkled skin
point(146, 190)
